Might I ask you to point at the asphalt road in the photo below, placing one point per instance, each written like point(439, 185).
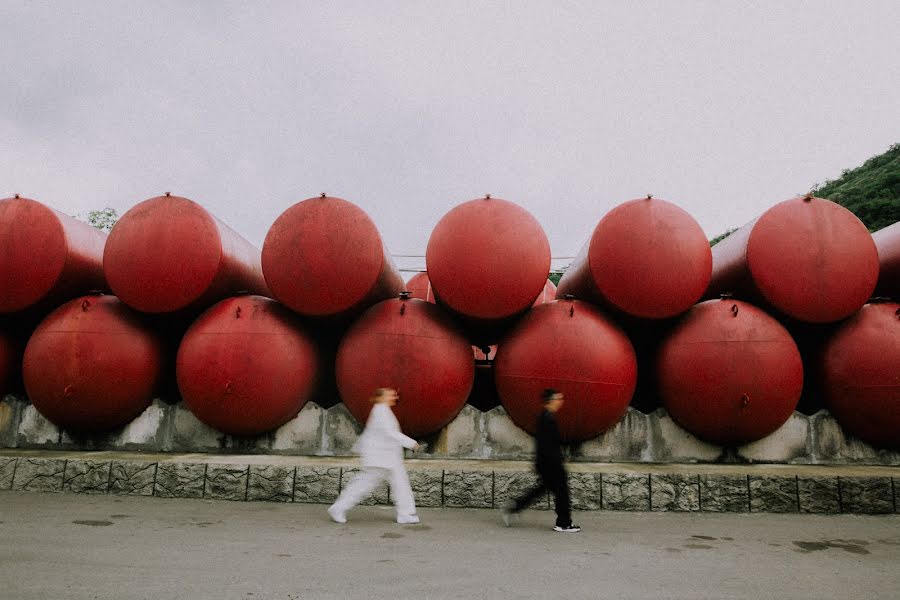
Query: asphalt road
point(98, 547)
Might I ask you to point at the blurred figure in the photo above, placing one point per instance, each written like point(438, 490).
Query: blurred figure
point(550, 469)
point(381, 448)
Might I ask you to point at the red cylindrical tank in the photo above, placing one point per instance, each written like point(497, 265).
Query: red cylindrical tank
point(412, 346)
point(729, 373)
point(169, 254)
point(488, 260)
point(92, 365)
point(246, 366)
point(887, 242)
point(548, 294)
point(570, 346)
point(419, 286)
point(861, 374)
point(647, 258)
point(808, 258)
point(46, 257)
point(324, 257)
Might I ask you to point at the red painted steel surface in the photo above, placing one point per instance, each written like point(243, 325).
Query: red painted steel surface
point(170, 254)
point(571, 346)
point(92, 365)
point(412, 346)
point(861, 374)
point(46, 257)
point(324, 257)
point(729, 373)
point(488, 259)
point(246, 366)
point(647, 258)
point(887, 241)
point(808, 258)
point(419, 286)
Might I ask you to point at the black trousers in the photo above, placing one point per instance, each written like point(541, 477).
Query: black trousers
point(555, 479)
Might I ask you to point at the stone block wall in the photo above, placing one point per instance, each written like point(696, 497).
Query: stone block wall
point(461, 484)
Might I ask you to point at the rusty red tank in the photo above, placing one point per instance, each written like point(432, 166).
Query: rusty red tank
point(412, 346)
point(46, 257)
point(92, 365)
point(887, 242)
point(860, 366)
point(808, 258)
point(647, 258)
point(419, 286)
point(488, 261)
point(568, 345)
point(324, 257)
point(246, 366)
point(729, 373)
point(169, 254)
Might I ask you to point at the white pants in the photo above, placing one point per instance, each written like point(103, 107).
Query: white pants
point(368, 479)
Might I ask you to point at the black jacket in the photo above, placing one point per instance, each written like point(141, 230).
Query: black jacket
point(548, 453)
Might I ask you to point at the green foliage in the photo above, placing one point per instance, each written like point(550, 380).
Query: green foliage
point(721, 236)
point(555, 277)
point(101, 219)
point(870, 191)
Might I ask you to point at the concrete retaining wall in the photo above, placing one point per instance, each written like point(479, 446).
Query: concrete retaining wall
point(473, 434)
point(460, 483)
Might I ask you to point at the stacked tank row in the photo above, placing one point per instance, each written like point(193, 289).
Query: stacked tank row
point(174, 297)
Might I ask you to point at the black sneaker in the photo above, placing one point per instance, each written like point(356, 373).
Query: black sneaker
point(570, 528)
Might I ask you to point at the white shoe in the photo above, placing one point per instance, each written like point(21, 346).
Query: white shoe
point(336, 515)
point(407, 519)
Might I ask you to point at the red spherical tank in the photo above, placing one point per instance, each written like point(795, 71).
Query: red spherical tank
point(808, 258)
point(169, 254)
point(887, 242)
point(245, 366)
point(412, 346)
point(324, 257)
point(46, 257)
point(570, 346)
point(488, 260)
point(92, 365)
point(729, 373)
point(860, 368)
point(647, 258)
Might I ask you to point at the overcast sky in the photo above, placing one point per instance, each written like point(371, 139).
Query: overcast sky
point(409, 108)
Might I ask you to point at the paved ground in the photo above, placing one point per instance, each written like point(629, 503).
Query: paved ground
point(98, 547)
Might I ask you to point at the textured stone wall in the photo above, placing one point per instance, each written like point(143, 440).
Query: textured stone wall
point(473, 434)
point(460, 483)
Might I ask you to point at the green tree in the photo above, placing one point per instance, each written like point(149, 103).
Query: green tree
point(101, 219)
point(870, 191)
point(721, 236)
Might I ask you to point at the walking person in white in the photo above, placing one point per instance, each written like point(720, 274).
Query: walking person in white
point(381, 448)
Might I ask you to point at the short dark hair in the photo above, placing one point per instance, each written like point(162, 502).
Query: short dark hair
point(547, 394)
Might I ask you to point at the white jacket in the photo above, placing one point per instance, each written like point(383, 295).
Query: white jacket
point(381, 443)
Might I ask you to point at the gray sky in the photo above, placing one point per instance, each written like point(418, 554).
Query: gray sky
point(409, 108)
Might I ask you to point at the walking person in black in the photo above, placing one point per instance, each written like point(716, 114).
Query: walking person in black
point(549, 464)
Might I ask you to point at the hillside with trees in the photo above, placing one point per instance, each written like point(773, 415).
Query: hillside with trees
point(870, 191)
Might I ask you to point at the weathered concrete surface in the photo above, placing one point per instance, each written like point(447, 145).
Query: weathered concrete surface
point(460, 483)
point(129, 548)
point(473, 434)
